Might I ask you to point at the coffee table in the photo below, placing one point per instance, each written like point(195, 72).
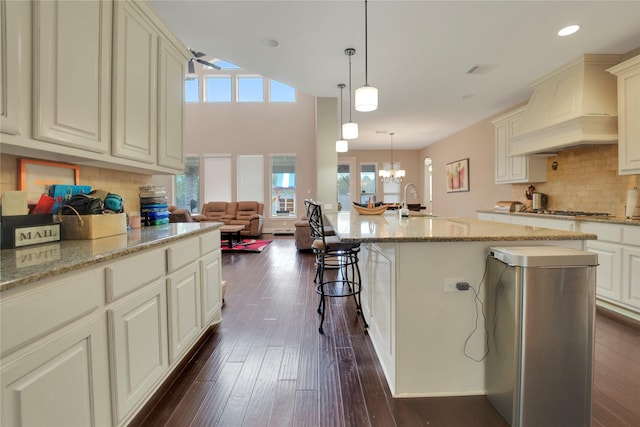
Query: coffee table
point(231, 233)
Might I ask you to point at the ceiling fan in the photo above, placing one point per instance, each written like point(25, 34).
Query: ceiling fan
point(196, 58)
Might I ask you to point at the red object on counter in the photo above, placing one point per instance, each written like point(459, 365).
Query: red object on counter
point(44, 205)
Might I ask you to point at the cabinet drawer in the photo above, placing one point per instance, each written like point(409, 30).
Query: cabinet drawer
point(631, 235)
point(209, 242)
point(124, 277)
point(38, 312)
point(182, 253)
point(606, 232)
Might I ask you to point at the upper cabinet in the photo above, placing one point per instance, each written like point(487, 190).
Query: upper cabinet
point(515, 169)
point(628, 74)
point(98, 83)
point(71, 73)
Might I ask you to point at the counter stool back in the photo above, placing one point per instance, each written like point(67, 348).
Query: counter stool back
point(332, 253)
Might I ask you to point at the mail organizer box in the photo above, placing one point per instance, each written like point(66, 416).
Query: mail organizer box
point(26, 230)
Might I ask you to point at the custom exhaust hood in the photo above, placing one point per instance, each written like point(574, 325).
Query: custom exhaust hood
point(572, 106)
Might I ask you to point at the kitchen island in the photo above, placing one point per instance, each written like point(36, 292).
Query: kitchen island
point(430, 339)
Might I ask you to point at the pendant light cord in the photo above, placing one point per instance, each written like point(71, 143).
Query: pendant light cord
point(366, 50)
point(350, 88)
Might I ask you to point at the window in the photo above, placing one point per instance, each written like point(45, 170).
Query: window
point(250, 177)
point(188, 185)
point(250, 89)
point(224, 65)
point(391, 190)
point(283, 185)
point(216, 179)
point(217, 89)
point(344, 186)
point(280, 92)
point(367, 182)
point(191, 89)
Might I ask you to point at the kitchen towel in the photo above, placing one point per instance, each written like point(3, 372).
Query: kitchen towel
point(632, 201)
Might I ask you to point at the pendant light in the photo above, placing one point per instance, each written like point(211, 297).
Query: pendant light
point(393, 174)
point(366, 96)
point(350, 130)
point(342, 145)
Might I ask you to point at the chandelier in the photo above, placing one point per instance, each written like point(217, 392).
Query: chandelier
point(366, 96)
point(393, 174)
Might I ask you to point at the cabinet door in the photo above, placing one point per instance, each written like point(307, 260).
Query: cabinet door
point(608, 271)
point(183, 290)
point(135, 92)
point(72, 73)
point(138, 347)
point(501, 153)
point(631, 277)
point(211, 278)
point(171, 72)
point(62, 382)
point(628, 113)
point(10, 66)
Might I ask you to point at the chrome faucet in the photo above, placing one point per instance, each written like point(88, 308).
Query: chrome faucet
point(414, 192)
point(404, 210)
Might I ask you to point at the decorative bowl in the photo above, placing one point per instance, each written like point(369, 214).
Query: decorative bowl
point(378, 210)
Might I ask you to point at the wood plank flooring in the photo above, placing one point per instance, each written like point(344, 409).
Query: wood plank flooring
point(267, 365)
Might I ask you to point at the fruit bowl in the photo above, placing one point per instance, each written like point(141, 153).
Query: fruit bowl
point(363, 210)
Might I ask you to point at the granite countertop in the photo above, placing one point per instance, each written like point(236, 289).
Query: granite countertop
point(351, 227)
point(32, 263)
point(593, 218)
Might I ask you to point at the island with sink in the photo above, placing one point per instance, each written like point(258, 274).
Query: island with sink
point(429, 338)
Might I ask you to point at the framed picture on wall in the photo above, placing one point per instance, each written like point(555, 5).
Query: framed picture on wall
point(37, 175)
point(458, 176)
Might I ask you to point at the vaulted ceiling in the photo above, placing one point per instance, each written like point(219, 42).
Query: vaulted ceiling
point(419, 52)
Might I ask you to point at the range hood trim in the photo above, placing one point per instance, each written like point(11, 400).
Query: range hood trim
point(572, 106)
point(583, 130)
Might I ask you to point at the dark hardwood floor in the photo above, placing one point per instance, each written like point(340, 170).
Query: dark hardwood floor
point(267, 365)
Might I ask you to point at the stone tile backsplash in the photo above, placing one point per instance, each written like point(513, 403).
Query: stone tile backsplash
point(123, 183)
point(586, 180)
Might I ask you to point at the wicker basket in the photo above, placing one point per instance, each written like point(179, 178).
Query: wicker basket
point(370, 211)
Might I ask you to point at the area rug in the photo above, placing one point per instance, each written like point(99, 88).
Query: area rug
point(247, 245)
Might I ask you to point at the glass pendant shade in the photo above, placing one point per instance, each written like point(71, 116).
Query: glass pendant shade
point(366, 99)
point(342, 146)
point(350, 130)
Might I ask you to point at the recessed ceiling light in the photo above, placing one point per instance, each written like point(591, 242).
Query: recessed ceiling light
point(269, 42)
point(567, 31)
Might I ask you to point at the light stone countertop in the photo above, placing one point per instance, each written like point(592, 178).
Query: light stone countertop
point(604, 219)
point(32, 263)
point(352, 227)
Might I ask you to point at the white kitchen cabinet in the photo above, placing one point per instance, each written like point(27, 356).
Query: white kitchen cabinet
point(71, 73)
point(495, 217)
point(171, 72)
point(10, 66)
point(183, 299)
point(628, 74)
point(211, 277)
point(135, 54)
point(554, 224)
point(631, 276)
point(515, 169)
point(54, 368)
point(608, 284)
point(138, 346)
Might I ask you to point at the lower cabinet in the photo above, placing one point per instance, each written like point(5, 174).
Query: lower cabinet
point(62, 381)
point(608, 283)
point(138, 346)
point(90, 348)
point(183, 291)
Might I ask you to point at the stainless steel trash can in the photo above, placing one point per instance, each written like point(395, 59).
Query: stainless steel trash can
point(540, 320)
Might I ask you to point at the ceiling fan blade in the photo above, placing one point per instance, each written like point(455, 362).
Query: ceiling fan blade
point(209, 64)
point(192, 69)
point(197, 54)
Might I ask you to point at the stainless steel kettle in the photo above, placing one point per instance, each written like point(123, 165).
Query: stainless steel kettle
point(539, 201)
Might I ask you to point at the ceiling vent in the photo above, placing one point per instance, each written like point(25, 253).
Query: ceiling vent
point(573, 106)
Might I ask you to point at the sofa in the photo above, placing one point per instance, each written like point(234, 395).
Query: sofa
point(179, 215)
point(247, 213)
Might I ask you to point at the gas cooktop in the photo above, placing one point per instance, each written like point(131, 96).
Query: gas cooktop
point(570, 213)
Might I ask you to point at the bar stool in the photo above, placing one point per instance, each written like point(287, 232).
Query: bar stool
point(330, 251)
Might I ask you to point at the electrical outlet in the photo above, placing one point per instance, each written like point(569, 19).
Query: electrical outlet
point(450, 284)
